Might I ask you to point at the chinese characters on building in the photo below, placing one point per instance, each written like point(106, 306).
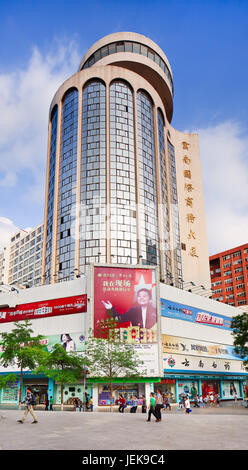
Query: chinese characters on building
point(189, 200)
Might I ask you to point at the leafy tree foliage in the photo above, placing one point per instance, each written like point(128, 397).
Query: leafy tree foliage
point(239, 325)
point(108, 357)
point(20, 349)
point(63, 367)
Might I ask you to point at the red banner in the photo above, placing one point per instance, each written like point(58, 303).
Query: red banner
point(46, 308)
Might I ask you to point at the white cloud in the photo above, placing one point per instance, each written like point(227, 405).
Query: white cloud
point(224, 158)
point(25, 97)
point(7, 230)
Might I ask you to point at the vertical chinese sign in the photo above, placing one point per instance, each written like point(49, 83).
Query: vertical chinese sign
point(189, 200)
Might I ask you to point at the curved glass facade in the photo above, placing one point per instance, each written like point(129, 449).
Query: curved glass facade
point(147, 183)
point(52, 166)
point(65, 261)
point(93, 175)
point(111, 171)
point(129, 46)
point(122, 175)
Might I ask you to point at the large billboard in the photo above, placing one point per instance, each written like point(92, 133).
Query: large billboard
point(130, 296)
point(46, 308)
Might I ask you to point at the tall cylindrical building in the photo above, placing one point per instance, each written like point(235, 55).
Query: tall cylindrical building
point(115, 165)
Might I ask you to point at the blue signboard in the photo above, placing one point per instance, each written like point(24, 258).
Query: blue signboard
point(194, 315)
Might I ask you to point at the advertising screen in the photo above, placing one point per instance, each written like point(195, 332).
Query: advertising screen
point(129, 296)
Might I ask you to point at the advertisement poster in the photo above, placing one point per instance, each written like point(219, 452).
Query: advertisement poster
point(46, 308)
point(129, 295)
point(71, 342)
point(210, 387)
point(230, 389)
point(194, 315)
point(179, 345)
point(187, 387)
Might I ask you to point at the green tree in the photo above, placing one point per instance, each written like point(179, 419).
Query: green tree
point(7, 379)
point(20, 349)
point(239, 325)
point(63, 367)
point(109, 358)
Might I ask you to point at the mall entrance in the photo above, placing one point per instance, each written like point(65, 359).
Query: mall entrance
point(39, 387)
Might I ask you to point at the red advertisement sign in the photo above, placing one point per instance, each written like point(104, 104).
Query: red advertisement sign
point(46, 308)
point(129, 295)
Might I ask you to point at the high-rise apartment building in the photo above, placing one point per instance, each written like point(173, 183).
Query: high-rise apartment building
point(229, 276)
point(123, 186)
point(22, 260)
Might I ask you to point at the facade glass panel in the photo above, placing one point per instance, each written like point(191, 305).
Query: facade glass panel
point(147, 190)
point(52, 167)
point(174, 230)
point(93, 176)
point(129, 46)
point(165, 213)
point(122, 174)
point(65, 260)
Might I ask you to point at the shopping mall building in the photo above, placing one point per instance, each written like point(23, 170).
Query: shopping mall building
point(187, 349)
point(124, 213)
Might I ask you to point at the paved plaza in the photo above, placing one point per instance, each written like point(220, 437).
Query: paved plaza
point(223, 428)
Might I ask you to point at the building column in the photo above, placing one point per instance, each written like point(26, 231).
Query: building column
point(94, 394)
point(221, 389)
point(50, 389)
point(241, 389)
point(200, 387)
point(176, 391)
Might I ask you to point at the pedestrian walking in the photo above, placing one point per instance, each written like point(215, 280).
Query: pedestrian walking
point(144, 405)
point(51, 403)
point(201, 402)
point(196, 401)
point(167, 403)
point(187, 405)
point(30, 401)
point(158, 404)
point(151, 410)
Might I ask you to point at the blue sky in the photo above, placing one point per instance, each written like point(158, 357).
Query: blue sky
point(206, 43)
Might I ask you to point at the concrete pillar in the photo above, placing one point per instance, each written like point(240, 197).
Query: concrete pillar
point(95, 397)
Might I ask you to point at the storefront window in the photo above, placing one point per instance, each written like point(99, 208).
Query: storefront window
point(126, 390)
point(10, 393)
point(188, 387)
point(210, 386)
point(230, 389)
point(70, 392)
point(245, 388)
point(167, 386)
